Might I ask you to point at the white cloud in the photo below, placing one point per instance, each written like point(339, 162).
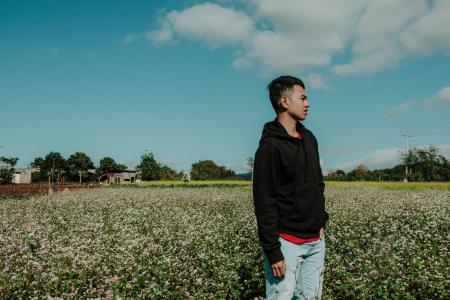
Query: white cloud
point(378, 159)
point(428, 33)
point(164, 34)
point(241, 63)
point(440, 97)
point(316, 81)
point(301, 35)
point(368, 62)
point(306, 33)
point(129, 38)
point(386, 158)
point(443, 95)
point(395, 111)
point(237, 167)
point(379, 34)
point(208, 23)
point(390, 31)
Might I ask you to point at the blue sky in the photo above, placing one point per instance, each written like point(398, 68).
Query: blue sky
point(187, 80)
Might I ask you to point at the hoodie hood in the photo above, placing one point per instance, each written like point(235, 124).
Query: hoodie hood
point(276, 129)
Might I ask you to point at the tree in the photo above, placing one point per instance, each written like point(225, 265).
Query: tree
point(361, 171)
point(426, 164)
point(149, 168)
point(7, 171)
point(11, 161)
point(208, 170)
point(78, 165)
point(38, 176)
point(337, 175)
point(167, 173)
point(107, 165)
point(54, 166)
point(37, 162)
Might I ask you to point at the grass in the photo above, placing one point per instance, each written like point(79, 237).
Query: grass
point(394, 185)
point(199, 183)
point(237, 183)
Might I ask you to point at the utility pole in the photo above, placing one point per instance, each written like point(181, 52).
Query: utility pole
point(407, 136)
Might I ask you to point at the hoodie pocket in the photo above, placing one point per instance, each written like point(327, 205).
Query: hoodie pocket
point(306, 199)
point(305, 205)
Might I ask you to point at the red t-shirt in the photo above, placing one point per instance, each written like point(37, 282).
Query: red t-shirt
point(292, 238)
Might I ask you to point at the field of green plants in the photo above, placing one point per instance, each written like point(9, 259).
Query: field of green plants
point(201, 243)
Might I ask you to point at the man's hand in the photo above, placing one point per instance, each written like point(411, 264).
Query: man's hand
point(321, 233)
point(279, 269)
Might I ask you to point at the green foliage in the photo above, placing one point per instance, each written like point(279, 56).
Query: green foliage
point(7, 169)
point(37, 162)
point(53, 166)
point(190, 184)
point(107, 164)
point(149, 168)
point(423, 165)
point(208, 170)
point(6, 175)
point(78, 165)
point(9, 161)
point(38, 176)
point(166, 173)
point(392, 185)
point(427, 165)
point(361, 171)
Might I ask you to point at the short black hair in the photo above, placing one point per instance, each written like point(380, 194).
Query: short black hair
point(279, 86)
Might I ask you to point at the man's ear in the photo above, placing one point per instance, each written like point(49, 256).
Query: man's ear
point(283, 102)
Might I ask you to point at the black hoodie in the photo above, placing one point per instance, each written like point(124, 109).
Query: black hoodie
point(287, 187)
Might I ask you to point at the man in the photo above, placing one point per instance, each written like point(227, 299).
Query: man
point(288, 192)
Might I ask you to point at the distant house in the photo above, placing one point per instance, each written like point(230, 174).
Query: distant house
point(127, 176)
point(23, 176)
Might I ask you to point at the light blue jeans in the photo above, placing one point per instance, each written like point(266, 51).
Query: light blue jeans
point(304, 272)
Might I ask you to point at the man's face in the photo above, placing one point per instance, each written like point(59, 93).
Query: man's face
point(296, 102)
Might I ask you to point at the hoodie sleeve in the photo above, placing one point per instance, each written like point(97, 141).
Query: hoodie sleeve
point(265, 201)
point(321, 184)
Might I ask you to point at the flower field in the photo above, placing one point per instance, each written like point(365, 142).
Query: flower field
point(201, 243)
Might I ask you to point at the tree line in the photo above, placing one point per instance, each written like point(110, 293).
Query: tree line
point(79, 167)
point(418, 164)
